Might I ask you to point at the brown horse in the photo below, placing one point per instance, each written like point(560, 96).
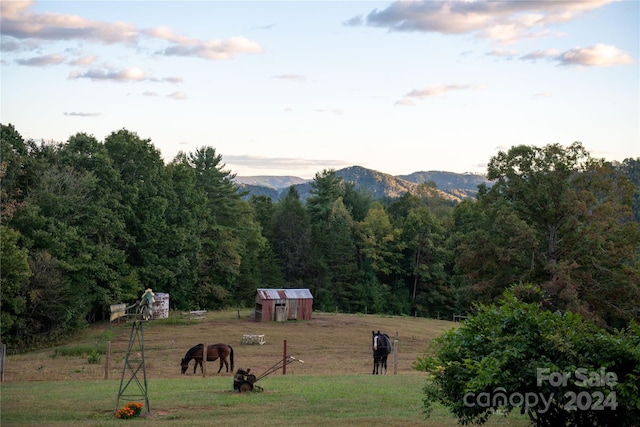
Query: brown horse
point(214, 351)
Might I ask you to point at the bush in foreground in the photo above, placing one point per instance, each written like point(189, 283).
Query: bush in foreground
point(556, 368)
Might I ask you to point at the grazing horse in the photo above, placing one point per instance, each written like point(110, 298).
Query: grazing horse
point(381, 348)
point(214, 351)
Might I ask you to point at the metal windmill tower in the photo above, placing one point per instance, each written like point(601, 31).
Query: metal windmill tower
point(134, 372)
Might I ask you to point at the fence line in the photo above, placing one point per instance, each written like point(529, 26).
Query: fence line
point(459, 316)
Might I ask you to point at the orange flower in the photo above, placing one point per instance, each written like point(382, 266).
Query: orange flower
point(130, 410)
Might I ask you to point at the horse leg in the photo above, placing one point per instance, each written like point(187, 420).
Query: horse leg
point(375, 365)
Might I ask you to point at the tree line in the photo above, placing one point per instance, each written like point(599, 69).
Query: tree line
point(88, 223)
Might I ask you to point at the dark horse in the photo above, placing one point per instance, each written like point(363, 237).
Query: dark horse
point(381, 348)
point(214, 351)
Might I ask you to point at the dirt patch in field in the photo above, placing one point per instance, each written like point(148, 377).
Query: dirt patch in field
point(328, 344)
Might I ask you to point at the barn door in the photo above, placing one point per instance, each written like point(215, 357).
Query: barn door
point(281, 312)
point(293, 309)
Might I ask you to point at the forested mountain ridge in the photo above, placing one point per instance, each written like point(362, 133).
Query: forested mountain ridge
point(452, 186)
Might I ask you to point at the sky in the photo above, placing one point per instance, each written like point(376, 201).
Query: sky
point(297, 87)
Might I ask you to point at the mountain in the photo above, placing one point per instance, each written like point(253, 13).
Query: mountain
point(274, 182)
point(380, 184)
point(464, 185)
point(451, 185)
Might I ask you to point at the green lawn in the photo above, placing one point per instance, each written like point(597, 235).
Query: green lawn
point(292, 400)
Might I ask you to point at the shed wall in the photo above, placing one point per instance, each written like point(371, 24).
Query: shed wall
point(160, 306)
point(281, 308)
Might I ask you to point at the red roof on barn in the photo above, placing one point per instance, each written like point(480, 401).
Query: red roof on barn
point(269, 294)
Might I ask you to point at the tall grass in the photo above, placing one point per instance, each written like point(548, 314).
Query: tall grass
point(296, 400)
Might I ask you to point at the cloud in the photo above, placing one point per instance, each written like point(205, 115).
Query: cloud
point(214, 49)
point(177, 95)
point(133, 74)
point(42, 61)
point(502, 53)
point(439, 90)
point(126, 75)
point(264, 27)
point(600, 55)
point(404, 102)
point(174, 80)
point(292, 77)
point(19, 22)
point(355, 21)
point(79, 114)
point(433, 91)
point(541, 54)
point(286, 163)
point(14, 8)
point(166, 33)
point(11, 45)
point(86, 60)
point(501, 21)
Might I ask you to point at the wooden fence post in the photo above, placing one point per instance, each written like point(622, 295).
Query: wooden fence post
point(395, 355)
point(108, 359)
point(284, 358)
point(204, 360)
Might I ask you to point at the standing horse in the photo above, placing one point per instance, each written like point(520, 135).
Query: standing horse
point(381, 348)
point(214, 351)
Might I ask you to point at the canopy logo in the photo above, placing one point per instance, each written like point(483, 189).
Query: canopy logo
point(587, 400)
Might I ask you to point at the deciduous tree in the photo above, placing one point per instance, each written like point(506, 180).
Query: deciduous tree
point(561, 219)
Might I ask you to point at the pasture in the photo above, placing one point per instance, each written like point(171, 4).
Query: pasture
point(58, 386)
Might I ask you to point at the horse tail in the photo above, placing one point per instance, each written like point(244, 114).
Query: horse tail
point(231, 357)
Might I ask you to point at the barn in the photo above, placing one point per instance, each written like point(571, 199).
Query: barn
point(283, 304)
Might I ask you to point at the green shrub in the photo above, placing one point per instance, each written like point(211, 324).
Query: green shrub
point(71, 351)
point(93, 358)
point(559, 369)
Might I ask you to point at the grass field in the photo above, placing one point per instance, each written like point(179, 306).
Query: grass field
point(59, 387)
